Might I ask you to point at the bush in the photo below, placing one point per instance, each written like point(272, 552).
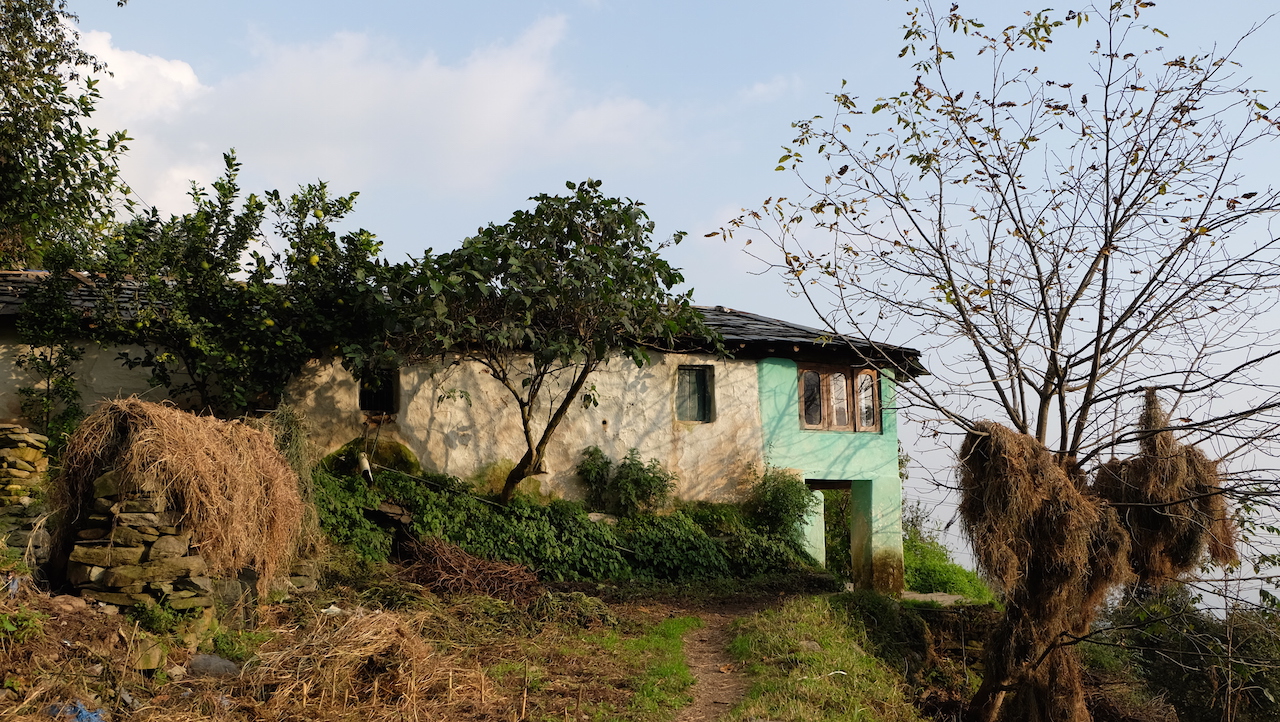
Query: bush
point(672, 549)
point(777, 504)
point(929, 567)
point(628, 488)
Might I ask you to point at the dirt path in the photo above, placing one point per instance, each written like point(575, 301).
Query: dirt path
point(720, 683)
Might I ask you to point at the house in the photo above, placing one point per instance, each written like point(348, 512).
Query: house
point(789, 396)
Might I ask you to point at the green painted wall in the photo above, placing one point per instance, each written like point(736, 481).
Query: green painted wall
point(869, 460)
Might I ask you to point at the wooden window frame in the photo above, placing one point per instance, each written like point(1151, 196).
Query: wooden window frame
point(709, 373)
point(388, 390)
point(851, 376)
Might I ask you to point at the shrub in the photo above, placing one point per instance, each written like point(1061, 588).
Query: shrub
point(777, 504)
point(627, 488)
point(672, 549)
point(929, 567)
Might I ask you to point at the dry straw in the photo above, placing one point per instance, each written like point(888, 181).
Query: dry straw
point(234, 491)
point(448, 570)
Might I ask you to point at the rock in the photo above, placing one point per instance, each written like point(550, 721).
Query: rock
point(211, 665)
point(15, 473)
point(170, 547)
point(598, 518)
point(148, 653)
point(128, 536)
point(26, 454)
point(104, 505)
point(107, 485)
point(138, 519)
point(92, 534)
point(106, 556)
point(21, 465)
point(231, 592)
point(176, 672)
point(305, 569)
point(68, 603)
point(809, 645)
point(303, 584)
point(114, 598)
point(36, 538)
point(200, 585)
point(190, 603)
point(163, 570)
point(144, 504)
point(79, 574)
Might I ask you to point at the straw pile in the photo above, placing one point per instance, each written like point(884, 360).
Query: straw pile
point(446, 569)
point(222, 482)
point(1169, 496)
point(1053, 551)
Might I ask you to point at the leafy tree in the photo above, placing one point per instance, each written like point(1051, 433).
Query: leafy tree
point(1077, 247)
point(58, 178)
point(222, 325)
point(545, 299)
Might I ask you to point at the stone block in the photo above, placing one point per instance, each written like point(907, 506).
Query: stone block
point(143, 504)
point(14, 473)
point(108, 484)
point(92, 534)
point(170, 547)
point(23, 538)
point(21, 465)
point(106, 556)
point(26, 454)
point(200, 585)
point(138, 519)
point(128, 536)
point(116, 598)
point(104, 505)
point(79, 574)
point(191, 603)
point(164, 570)
point(303, 584)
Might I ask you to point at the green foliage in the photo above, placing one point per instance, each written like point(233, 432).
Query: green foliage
point(159, 617)
point(21, 625)
point(340, 503)
point(227, 335)
point(777, 504)
point(896, 632)
point(665, 680)
point(929, 567)
point(50, 326)
point(672, 548)
point(1201, 663)
point(58, 178)
point(628, 488)
point(545, 299)
point(237, 645)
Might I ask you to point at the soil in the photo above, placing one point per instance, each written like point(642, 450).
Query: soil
point(721, 683)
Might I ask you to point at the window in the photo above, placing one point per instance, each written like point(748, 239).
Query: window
point(833, 397)
point(695, 393)
point(380, 392)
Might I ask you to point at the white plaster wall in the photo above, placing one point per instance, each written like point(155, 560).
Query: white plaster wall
point(636, 409)
point(99, 375)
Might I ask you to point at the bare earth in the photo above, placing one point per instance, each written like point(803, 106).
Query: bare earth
point(720, 683)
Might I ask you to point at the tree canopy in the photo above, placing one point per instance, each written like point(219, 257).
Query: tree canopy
point(545, 299)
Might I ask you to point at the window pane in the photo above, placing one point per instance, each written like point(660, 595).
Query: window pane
point(812, 398)
point(693, 393)
point(838, 388)
point(867, 401)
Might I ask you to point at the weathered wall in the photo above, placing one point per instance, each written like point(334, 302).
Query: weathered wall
point(636, 409)
point(869, 460)
point(99, 376)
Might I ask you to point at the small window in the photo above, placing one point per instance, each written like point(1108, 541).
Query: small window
point(838, 399)
point(380, 392)
point(695, 393)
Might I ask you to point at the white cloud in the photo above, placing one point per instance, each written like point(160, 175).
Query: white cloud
point(767, 91)
point(353, 109)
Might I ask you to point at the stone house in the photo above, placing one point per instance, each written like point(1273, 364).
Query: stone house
point(789, 396)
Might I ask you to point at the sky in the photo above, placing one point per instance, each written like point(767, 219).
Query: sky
point(449, 116)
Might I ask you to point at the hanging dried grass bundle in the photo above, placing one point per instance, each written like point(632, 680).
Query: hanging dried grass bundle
point(1053, 552)
point(1170, 502)
point(235, 492)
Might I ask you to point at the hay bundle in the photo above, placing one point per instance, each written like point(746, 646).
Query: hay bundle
point(374, 663)
point(1169, 496)
point(236, 494)
point(446, 569)
point(1052, 551)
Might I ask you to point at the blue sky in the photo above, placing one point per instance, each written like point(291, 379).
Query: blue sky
point(448, 116)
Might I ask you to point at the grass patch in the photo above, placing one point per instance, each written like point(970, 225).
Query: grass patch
point(808, 664)
point(663, 686)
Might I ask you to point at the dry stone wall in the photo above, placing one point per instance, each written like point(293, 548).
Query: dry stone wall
point(23, 471)
point(132, 549)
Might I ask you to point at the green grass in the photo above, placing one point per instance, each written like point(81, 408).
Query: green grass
point(663, 686)
point(796, 681)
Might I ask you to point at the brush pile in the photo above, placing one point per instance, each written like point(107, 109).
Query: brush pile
point(446, 569)
point(154, 499)
point(1055, 547)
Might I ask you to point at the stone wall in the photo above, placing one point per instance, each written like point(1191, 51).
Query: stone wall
point(132, 549)
point(23, 470)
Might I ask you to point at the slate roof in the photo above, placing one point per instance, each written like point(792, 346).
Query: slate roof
point(750, 335)
point(15, 285)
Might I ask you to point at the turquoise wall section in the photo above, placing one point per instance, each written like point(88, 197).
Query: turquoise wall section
point(869, 460)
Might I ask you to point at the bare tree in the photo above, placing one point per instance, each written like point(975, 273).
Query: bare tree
point(1068, 248)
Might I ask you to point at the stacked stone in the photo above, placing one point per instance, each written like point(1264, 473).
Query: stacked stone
point(133, 550)
point(23, 468)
